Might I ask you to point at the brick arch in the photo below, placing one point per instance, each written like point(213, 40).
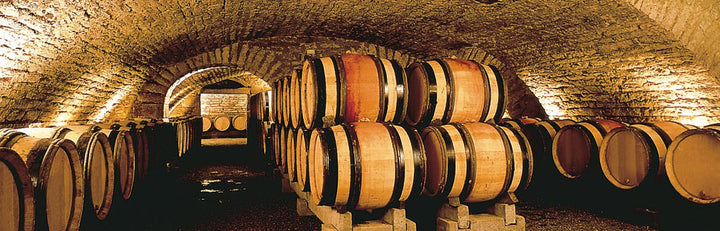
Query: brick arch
point(188, 87)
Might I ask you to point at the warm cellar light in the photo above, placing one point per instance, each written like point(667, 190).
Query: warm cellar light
point(699, 121)
point(112, 103)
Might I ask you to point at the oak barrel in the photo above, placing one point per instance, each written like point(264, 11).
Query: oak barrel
point(350, 88)
point(454, 90)
point(273, 101)
point(97, 165)
point(294, 100)
point(283, 149)
point(633, 156)
point(17, 210)
point(575, 148)
point(140, 138)
point(474, 161)
point(271, 143)
point(290, 154)
point(281, 101)
point(181, 131)
point(240, 122)
point(207, 124)
point(56, 172)
point(540, 136)
point(277, 144)
point(221, 123)
point(124, 155)
point(286, 102)
point(692, 165)
point(301, 152)
point(365, 165)
point(518, 123)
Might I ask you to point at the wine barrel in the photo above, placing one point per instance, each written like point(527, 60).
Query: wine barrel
point(273, 101)
point(270, 145)
point(240, 122)
point(266, 106)
point(528, 161)
point(454, 90)
point(180, 135)
point(540, 136)
point(124, 155)
point(286, 102)
point(258, 107)
point(301, 152)
point(290, 154)
point(17, 210)
point(575, 148)
point(277, 145)
point(97, 165)
point(518, 123)
point(207, 124)
point(168, 156)
point(140, 138)
point(56, 172)
point(283, 149)
point(280, 102)
point(352, 88)
point(475, 161)
point(141, 142)
point(365, 165)
point(633, 156)
point(692, 165)
point(294, 100)
point(221, 123)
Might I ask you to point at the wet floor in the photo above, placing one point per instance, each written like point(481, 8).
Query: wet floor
point(230, 188)
point(215, 188)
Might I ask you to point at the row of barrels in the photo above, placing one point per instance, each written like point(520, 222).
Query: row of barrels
point(366, 165)
point(258, 123)
point(189, 133)
point(224, 123)
point(479, 161)
point(352, 88)
point(55, 178)
point(632, 157)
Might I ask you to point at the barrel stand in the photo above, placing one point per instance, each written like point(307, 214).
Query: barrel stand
point(501, 216)
point(332, 219)
point(285, 184)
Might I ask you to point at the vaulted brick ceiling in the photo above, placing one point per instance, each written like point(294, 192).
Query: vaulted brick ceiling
point(71, 60)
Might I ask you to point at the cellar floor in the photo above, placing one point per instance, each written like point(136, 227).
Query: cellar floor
point(227, 187)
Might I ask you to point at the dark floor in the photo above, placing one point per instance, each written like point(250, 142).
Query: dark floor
point(231, 188)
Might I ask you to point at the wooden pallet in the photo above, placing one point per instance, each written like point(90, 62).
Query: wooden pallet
point(394, 219)
point(501, 216)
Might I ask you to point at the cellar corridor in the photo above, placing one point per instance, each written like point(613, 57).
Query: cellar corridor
point(353, 114)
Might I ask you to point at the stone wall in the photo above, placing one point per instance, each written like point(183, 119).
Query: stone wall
point(93, 60)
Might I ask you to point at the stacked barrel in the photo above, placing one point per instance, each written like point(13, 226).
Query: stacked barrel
point(338, 132)
point(259, 123)
point(336, 115)
point(57, 178)
point(458, 104)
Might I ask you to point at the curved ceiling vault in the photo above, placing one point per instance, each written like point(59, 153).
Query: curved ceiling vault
point(67, 60)
point(189, 86)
